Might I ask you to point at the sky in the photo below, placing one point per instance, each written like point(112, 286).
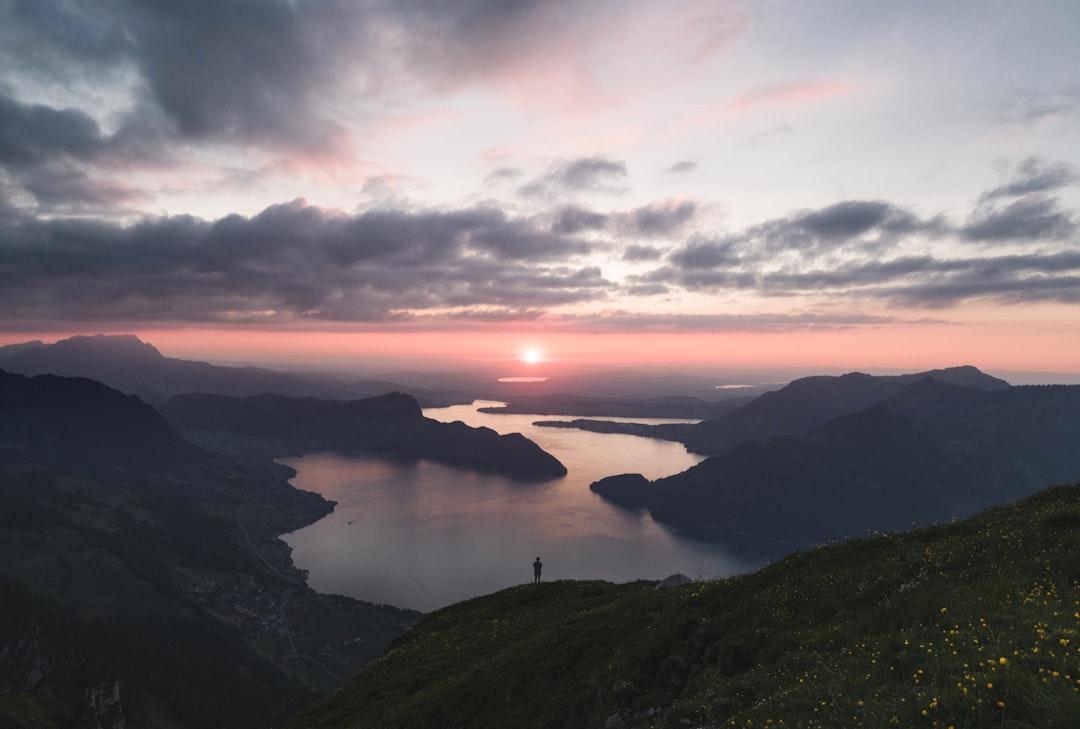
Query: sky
point(728, 184)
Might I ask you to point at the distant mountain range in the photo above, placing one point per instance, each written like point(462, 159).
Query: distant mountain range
point(126, 363)
point(842, 456)
point(810, 402)
point(390, 424)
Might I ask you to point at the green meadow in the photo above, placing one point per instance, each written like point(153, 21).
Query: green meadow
point(963, 625)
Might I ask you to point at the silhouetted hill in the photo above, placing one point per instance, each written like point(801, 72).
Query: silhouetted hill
point(931, 451)
point(176, 604)
point(9, 350)
point(971, 624)
point(390, 424)
point(809, 402)
point(82, 423)
point(1036, 427)
point(60, 670)
point(128, 364)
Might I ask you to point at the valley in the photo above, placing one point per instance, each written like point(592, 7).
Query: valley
point(157, 533)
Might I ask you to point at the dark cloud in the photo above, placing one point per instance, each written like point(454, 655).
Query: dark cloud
point(853, 225)
point(256, 71)
point(1031, 218)
point(845, 220)
point(661, 218)
point(289, 262)
point(62, 187)
point(706, 253)
point(570, 219)
point(47, 40)
point(642, 253)
point(33, 134)
point(597, 174)
point(838, 251)
point(1034, 175)
point(54, 156)
point(921, 281)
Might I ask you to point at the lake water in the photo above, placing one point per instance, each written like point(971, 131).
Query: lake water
point(423, 535)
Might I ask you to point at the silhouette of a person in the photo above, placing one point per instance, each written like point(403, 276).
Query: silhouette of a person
point(537, 566)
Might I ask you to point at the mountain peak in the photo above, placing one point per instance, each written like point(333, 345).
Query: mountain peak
point(107, 345)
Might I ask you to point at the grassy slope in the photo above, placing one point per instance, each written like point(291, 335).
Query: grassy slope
point(972, 624)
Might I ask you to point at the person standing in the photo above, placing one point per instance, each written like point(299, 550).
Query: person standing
point(537, 566)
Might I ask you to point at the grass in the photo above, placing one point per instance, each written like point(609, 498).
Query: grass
point(972, 624)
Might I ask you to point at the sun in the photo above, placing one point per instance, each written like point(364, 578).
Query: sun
point(532, 355)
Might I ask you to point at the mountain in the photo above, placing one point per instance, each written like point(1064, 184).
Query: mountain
point(126, 363)
point(931, 451)
point(142, 581)
point(391, 424)
point(809, 402)
point(970, 624)
point(80, 422)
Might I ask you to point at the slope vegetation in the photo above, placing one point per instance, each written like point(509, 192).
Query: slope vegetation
point(971, 624)
point(141, 581)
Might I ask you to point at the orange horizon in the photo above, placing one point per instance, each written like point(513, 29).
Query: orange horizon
point(914, 348)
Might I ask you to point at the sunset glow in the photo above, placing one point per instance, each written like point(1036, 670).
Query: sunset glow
point(838, 185)
point(531, 356)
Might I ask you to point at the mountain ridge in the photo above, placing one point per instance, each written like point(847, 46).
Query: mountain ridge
point(126, 363)
point(391, 423)
point(930, 451)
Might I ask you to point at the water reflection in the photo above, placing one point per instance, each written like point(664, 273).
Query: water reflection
point(424, 535)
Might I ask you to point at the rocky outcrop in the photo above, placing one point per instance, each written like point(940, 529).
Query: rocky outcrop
point(46, 651)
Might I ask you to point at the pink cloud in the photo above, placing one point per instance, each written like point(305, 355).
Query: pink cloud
point(794, 92)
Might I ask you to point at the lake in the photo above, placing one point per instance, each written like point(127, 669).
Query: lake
point(423, 535)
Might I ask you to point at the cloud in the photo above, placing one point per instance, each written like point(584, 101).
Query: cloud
point(1034, 175)
point(288, 263)
point(586, 174)
point(682, 167)
point(1032, 217)
point(659, 218)
point(622, 320)
point(634, 253)
point(60, 158)
point(500, 174)
point(706, 254)
point(790, 93)
point(839, 251)
point(571, 219)
point(31, 134)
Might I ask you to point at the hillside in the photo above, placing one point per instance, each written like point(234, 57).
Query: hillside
point(390, 424)
point(141, 578)
point(931, 451)
point(810, 402)
point(971, 624)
